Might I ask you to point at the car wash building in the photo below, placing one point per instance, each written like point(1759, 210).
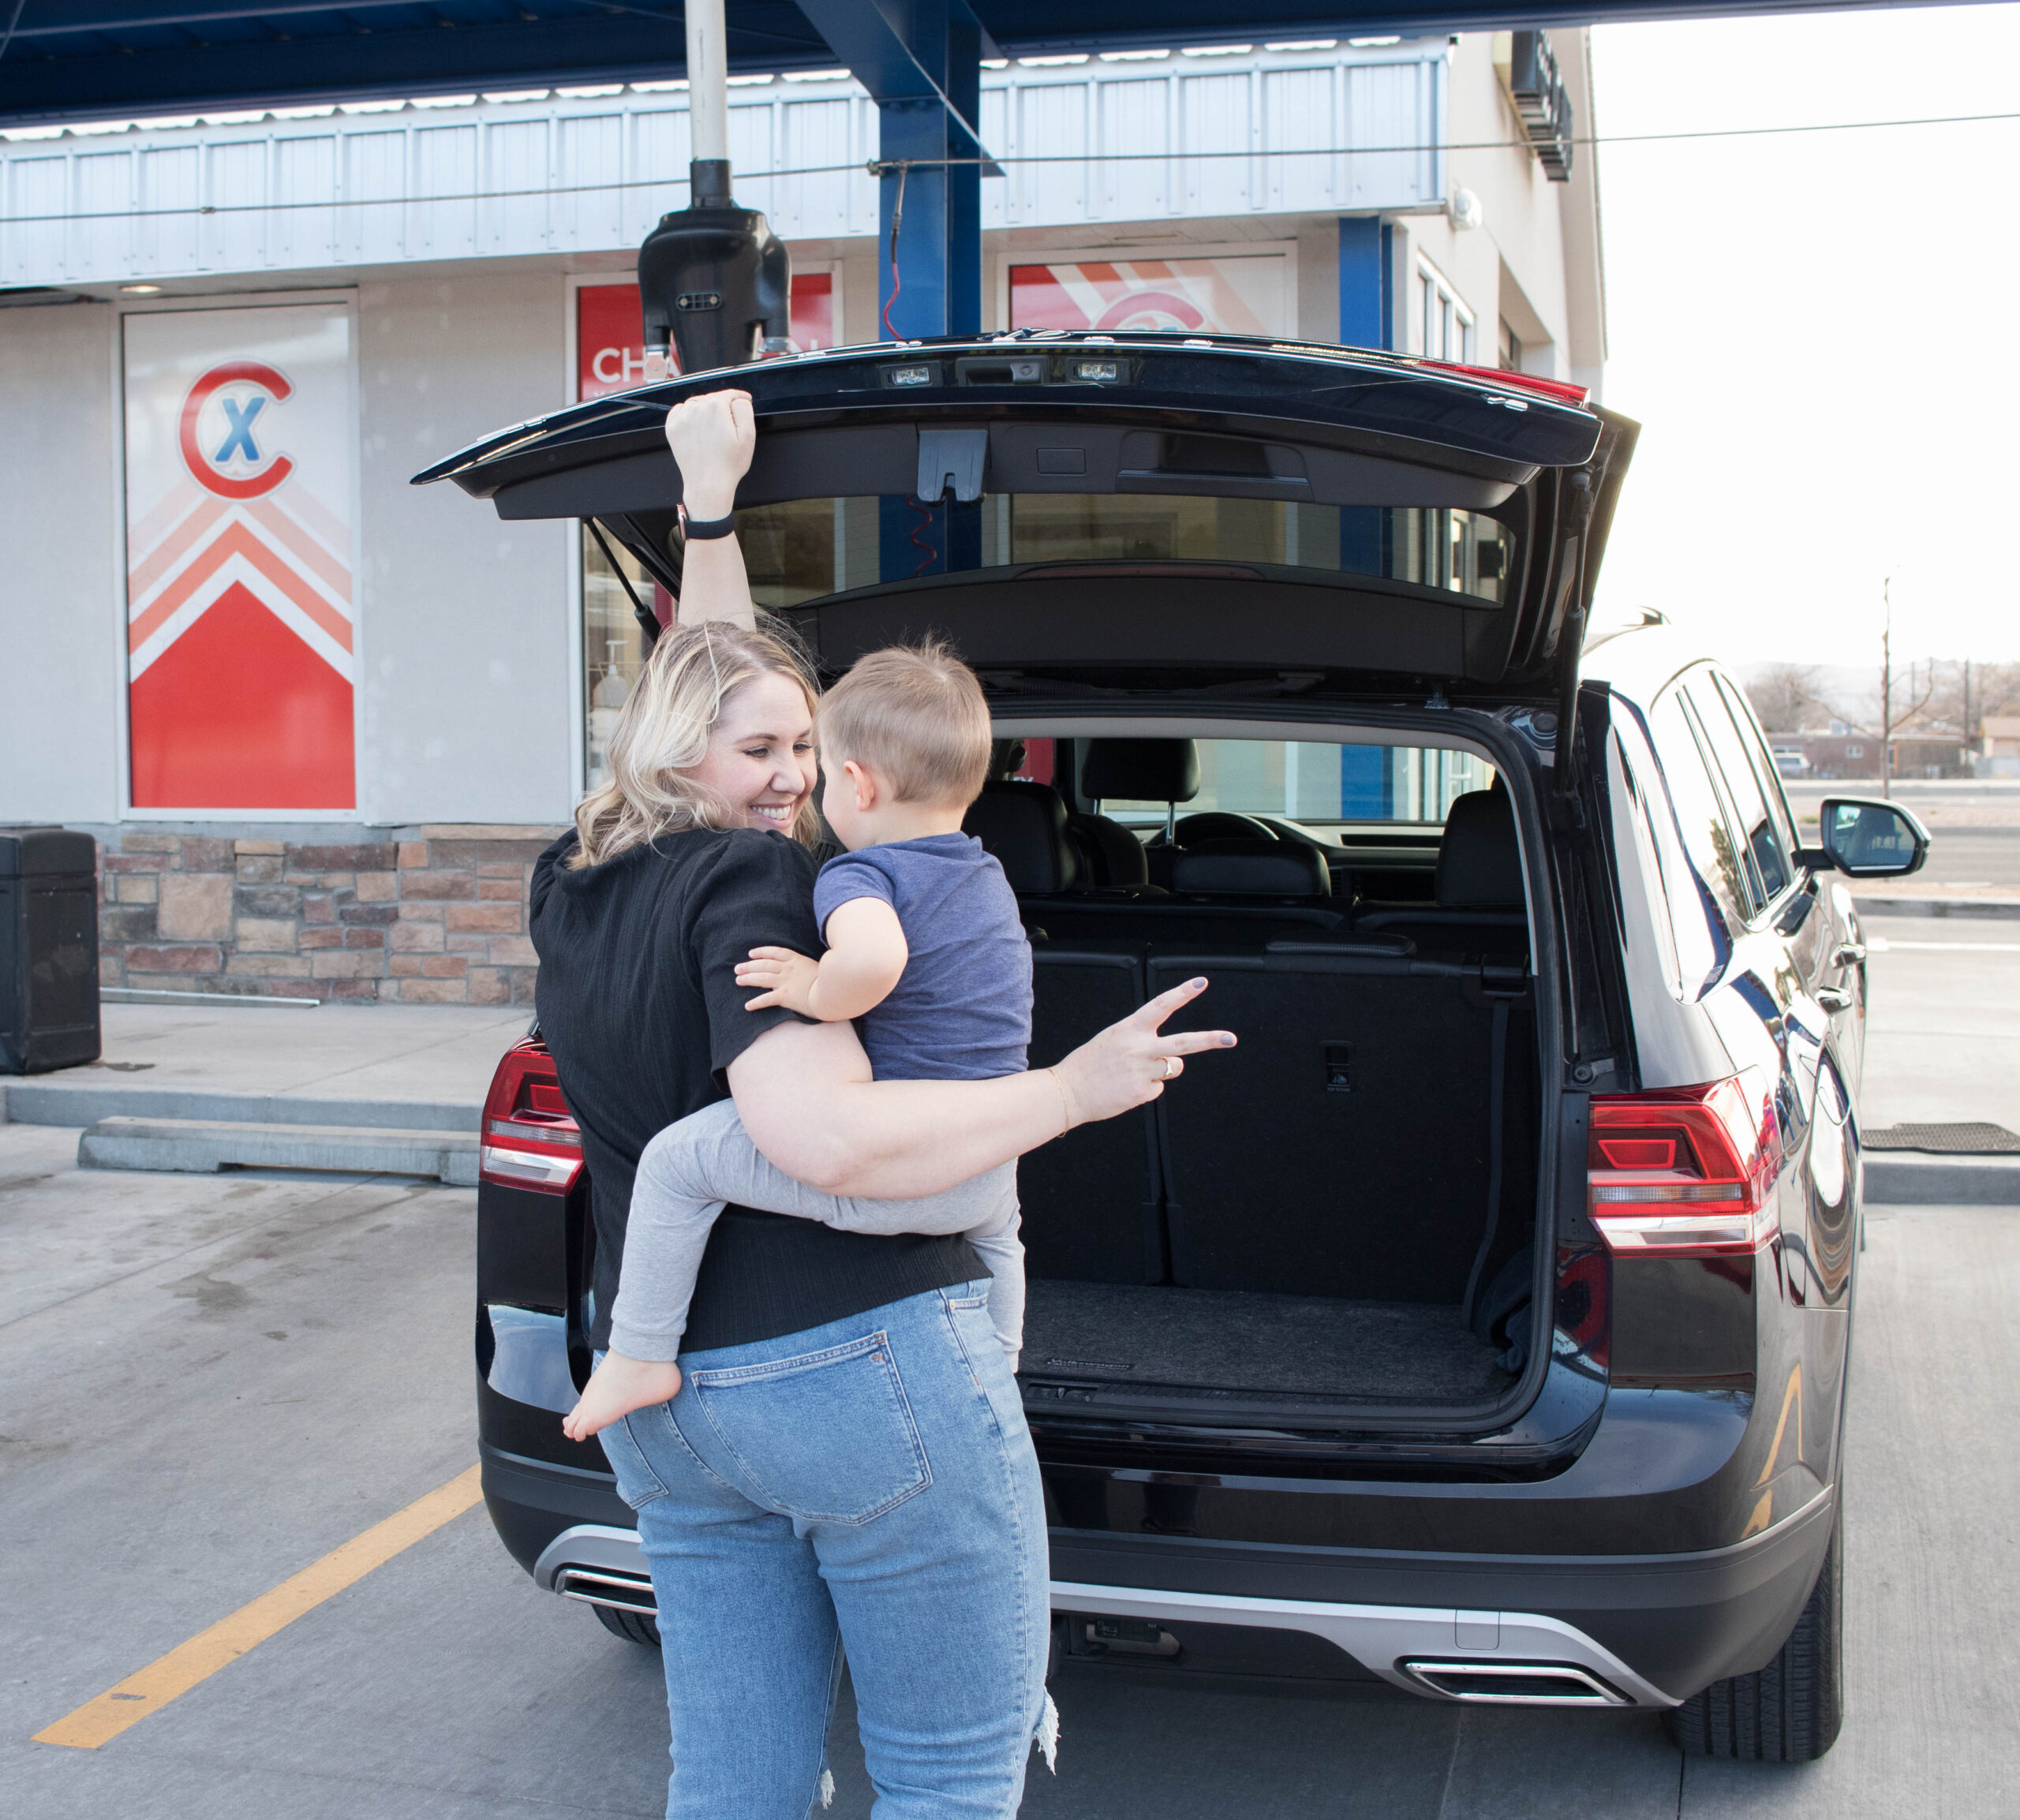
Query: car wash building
point(320, 721)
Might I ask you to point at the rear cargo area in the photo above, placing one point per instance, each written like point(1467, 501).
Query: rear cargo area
point(1301, 1219)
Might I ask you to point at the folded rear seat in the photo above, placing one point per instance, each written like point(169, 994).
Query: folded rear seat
point(1348, 1146)
point(1091, 1199)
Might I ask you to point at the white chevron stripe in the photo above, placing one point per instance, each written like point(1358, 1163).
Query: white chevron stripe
point(236, 569)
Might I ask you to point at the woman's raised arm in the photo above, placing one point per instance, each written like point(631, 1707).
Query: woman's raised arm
point(806, 1097)
point(713, 438)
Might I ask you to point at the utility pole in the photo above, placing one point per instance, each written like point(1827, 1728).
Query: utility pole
point(1886, 689)
point(1966, 728)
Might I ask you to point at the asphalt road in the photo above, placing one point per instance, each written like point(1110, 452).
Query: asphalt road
point(1976, 827)
point(207, 1385)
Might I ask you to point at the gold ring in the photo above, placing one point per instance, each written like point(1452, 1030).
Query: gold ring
point(1170, 1073)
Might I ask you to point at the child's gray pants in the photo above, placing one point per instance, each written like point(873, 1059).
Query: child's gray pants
point(690, 1170)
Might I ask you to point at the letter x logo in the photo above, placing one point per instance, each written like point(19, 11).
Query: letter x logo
point(238, 425)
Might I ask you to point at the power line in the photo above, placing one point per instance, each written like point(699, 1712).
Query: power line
point(879, 167)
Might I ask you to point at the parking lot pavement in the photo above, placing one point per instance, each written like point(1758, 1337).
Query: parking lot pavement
point(209, 1383)
point(1943, 1039)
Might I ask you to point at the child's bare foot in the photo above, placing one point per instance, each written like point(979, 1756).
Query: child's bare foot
point(617, 1387)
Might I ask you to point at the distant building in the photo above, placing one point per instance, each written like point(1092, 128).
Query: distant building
point(1843, 752)
point(1998, 746)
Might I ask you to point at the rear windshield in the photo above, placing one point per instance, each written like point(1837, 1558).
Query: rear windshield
point(804, 549)
point(1319, 786)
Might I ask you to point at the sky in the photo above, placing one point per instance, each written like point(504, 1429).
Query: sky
point(1814, 332)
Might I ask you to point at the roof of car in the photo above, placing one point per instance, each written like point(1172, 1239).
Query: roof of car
point(1635, 654)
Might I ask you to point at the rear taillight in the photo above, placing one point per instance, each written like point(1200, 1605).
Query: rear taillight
point(531, 1139)
point(1689, 1171)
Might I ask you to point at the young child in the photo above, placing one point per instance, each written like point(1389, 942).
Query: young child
point(925, 949)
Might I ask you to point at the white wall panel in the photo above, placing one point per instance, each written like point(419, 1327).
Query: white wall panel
point(1135, 120)
point(445, 166)
point(375, 166)
point(171, 186)
point(515, 154)
point(39, 197)
point(383, 188)
point(305, 168)
point(237, 237)
point(103, 188)
point(1217, 119)
point(61, 614)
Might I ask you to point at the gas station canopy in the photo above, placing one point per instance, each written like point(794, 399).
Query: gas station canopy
point(78, 60)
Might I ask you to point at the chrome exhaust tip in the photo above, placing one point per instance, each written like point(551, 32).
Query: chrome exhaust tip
point(603, 1586)
point(1514, 1684)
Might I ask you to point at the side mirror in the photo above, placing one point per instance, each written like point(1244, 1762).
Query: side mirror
point(1867, 840)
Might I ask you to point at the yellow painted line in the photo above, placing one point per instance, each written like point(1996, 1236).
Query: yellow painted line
point(100, 1721)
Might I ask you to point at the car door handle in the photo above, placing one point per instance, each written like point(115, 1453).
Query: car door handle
point(1833, 999)
point(1849, 954)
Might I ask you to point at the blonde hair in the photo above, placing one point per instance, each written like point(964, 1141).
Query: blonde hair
point(662, 733)
point(916, 714)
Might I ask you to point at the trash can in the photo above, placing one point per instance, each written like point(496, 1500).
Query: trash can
point(48, 949)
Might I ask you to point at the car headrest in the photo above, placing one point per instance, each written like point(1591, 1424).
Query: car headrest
point(1141, 770)
point(1480, 862)
point(1024, 825)
point(1251, 869)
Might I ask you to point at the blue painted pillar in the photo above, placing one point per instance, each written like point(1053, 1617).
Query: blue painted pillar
point(1368, 319)
point(1367, 310)
point(934, 285)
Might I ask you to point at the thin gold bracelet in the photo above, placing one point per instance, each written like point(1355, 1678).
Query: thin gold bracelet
point(1065, 1104)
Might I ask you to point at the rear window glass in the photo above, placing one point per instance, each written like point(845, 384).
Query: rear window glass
point(1707, 839)
point(1767, 865)
point(804, 549)
point(1322, 784)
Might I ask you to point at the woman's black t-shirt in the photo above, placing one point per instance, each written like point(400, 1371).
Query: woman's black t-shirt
point(639, 1004)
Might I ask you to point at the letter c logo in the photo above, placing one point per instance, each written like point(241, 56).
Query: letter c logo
point(236, 469)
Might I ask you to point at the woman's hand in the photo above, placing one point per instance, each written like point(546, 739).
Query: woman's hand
point(713, 438)
point(1131, 1062)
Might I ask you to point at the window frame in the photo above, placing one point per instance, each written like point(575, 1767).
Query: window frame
point(1435, 287)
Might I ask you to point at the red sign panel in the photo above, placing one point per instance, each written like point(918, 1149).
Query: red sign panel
point(610, 332)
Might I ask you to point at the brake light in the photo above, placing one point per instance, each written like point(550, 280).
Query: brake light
point(1557, 391)
point(1686, 1172)
point(531, 1139)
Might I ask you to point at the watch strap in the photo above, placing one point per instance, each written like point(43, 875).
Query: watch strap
point(706, 528)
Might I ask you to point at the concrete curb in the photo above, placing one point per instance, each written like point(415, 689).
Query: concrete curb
point(1970, 907)
point(203, 1147)
point(42, 1102)
point(1896, 1178)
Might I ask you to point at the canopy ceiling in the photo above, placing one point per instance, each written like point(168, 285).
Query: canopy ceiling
point(77, 60)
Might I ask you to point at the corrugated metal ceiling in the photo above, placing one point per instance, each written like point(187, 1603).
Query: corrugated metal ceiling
point(90, 59)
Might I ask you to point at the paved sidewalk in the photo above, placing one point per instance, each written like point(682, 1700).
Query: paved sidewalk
point(390, 1064)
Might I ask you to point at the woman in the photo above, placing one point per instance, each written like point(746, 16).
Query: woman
point(847, 1461)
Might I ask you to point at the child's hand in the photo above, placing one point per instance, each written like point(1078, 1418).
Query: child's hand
point(786, 978)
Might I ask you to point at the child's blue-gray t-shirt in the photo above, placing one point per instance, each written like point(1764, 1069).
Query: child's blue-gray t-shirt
point(962, 1009)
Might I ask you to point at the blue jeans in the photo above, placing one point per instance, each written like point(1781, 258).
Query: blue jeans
point(867, 1486)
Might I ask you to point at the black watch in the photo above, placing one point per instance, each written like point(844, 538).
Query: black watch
point(706, 528)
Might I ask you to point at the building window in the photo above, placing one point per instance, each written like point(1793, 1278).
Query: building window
point(1509, 349)
point(1445, 324)
point(1855, 751)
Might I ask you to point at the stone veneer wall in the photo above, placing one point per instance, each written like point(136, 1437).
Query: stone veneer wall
point(430, 915)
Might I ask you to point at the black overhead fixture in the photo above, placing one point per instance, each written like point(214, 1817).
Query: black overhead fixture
point(713, 279)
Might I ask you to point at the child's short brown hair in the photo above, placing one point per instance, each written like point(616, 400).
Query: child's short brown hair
point(916, 714)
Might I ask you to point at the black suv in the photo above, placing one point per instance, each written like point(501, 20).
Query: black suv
point(1484, 1315)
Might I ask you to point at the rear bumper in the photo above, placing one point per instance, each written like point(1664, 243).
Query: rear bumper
point(1643, 1631)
